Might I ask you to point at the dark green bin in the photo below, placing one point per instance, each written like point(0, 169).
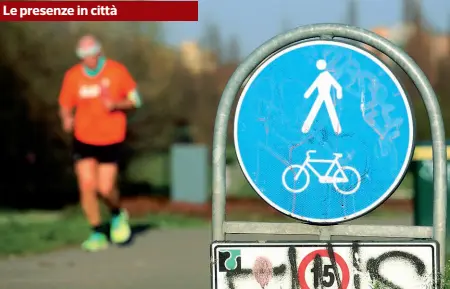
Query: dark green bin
point(422, 169)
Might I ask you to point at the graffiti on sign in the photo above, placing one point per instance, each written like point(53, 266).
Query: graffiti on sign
point(339, 265)
point(262, 271)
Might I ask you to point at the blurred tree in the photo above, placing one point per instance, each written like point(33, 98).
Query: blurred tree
point(411, 8)
point(352, 12)
point(443, 84)
point(212, 41)
point(286, 25)
point(233, 51)
point(419, 48)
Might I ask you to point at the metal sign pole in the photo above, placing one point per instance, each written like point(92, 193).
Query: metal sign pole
point(220, 226)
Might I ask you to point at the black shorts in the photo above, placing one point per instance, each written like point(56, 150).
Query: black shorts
point(103, 154)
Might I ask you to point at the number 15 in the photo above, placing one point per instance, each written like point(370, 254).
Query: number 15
point(325, 277)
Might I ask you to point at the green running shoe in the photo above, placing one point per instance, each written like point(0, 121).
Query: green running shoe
point(120, 229)
point(96, 242)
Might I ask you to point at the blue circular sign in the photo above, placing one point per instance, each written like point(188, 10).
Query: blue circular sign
point(324, 131)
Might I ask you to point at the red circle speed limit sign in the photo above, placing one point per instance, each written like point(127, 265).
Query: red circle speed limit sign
point(323, 273)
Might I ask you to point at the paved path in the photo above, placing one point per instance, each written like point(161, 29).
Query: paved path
point(158, 259)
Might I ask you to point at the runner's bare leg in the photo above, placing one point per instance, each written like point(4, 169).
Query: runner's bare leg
point(86, 170)
point(107, 184)
point(120, 230)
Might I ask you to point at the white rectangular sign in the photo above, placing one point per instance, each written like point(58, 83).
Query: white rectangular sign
point(308, 265)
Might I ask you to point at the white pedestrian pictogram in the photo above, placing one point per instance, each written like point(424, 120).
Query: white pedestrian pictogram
point(323, 83)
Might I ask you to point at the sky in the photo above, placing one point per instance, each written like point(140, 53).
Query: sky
point(255, 21)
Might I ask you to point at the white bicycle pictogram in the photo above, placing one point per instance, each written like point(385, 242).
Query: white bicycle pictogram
point(339, 176)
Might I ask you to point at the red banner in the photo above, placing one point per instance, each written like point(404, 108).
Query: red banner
point(99, 11)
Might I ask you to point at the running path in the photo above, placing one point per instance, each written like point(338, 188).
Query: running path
point(157, 259)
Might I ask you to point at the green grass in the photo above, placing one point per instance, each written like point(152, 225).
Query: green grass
point(38, 232)
point(151, 168)
point(446, 281)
